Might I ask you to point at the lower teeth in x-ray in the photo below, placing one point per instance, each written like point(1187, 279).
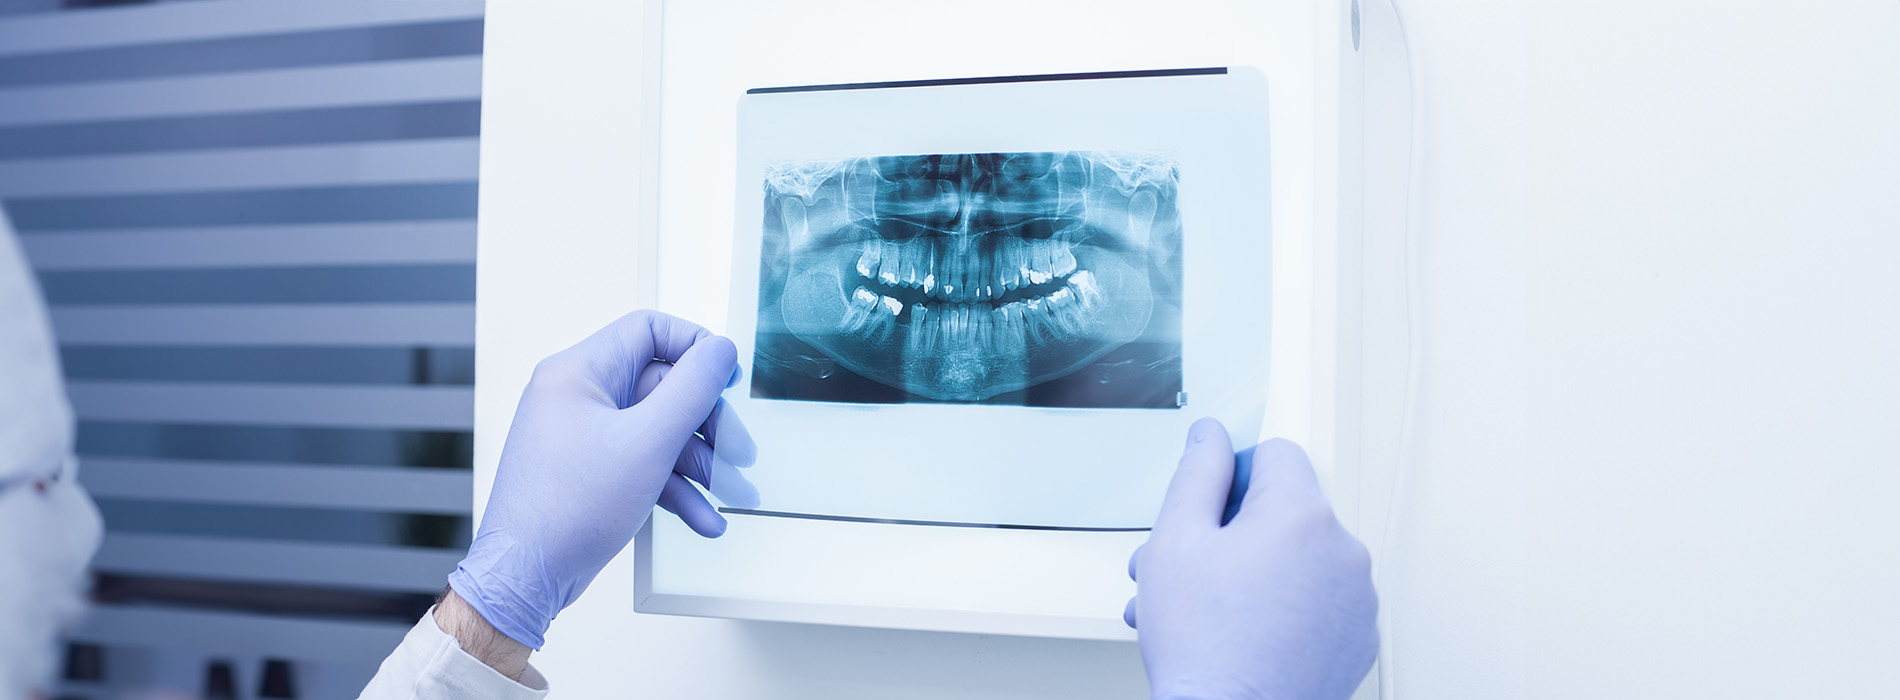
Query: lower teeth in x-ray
point(1048, 279)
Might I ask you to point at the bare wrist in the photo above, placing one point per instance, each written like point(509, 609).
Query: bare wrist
point(479, 638)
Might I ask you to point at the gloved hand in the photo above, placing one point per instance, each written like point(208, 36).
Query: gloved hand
point(1276, 604)
point(604, 431)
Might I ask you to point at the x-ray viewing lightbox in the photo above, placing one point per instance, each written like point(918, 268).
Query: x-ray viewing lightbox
point(976, 315)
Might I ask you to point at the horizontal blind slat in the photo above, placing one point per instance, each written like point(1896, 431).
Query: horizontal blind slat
point(224, 633)
point(187, 21)
point(348, 447)
point(394, 489)
point(295, 49)
point(267, 324)
point(258, 561)
point(392, 121)
point(255, 246)
point(352, 284)
point(274, 206)
point(419, 407)
point(329, 86)
point(244, 169)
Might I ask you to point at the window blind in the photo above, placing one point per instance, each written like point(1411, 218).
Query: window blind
point(254, 223)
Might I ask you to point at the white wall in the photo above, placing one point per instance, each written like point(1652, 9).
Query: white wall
point(1656, 453)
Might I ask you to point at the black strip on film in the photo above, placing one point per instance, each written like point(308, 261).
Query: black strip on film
point(924, 523)
point(1042, 78)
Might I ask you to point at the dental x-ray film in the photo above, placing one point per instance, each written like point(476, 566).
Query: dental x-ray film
point(1047, 279)
point(993, 303)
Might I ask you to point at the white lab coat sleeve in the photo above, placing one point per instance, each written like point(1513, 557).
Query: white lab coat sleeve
point(430, 665)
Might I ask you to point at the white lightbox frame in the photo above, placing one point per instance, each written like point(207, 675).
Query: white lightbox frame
point(1308, 50)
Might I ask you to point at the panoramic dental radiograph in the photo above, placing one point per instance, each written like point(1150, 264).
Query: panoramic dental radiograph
point(1037, 279)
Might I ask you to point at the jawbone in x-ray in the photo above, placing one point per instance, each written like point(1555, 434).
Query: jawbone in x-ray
point(1036, 279)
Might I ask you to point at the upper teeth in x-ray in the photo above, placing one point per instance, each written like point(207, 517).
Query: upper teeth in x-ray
point(960, 277)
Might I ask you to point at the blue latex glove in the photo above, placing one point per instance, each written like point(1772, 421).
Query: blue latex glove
point(1276, 604)
point(605, 431)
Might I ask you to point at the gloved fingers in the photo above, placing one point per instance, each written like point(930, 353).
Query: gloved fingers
point(1282, 474)
point(729, 437)
point(1198, 493)
point(695, 462)
point(703, 465)
point(730, 486)
point(1132, 560)
point(684, 398)
point(680, 498)
point(649, 378)
point(645, 335)
point(656, 370)
point(1128, 613)
point(1243, 481)
point(722, 428)
point(615, 356)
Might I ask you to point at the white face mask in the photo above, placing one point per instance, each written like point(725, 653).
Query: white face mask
point(48, 527)
point(47, 536)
